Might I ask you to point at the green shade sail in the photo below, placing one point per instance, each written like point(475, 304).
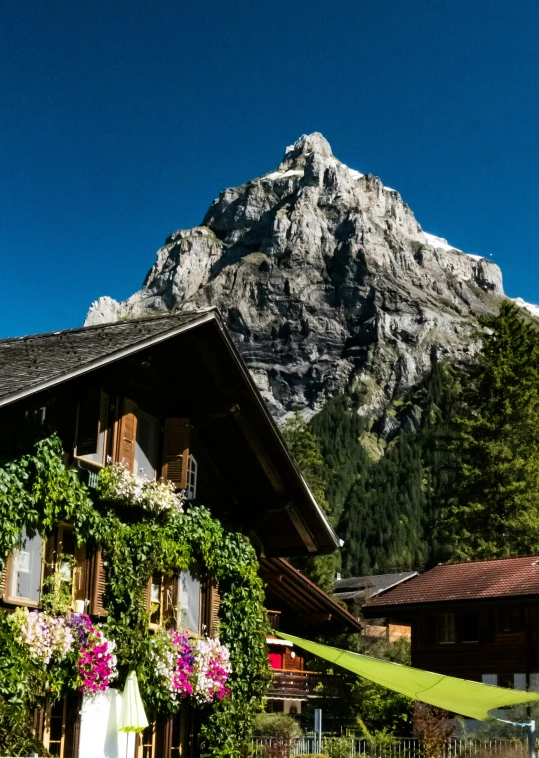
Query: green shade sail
point(460, 696)
point(132, 716)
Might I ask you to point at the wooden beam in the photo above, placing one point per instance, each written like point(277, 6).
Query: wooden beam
point(302, 529)
point(317, 617)
point(269, 577)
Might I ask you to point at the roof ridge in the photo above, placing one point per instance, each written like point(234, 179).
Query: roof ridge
point(90, 327)
point(483, 560)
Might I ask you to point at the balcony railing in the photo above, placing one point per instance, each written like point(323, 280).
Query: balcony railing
point(88, 471)
point(304, 684)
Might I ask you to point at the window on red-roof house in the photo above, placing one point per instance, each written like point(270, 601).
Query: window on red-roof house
point(446, 628)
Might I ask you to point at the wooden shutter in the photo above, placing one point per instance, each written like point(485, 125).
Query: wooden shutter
point(211, 603)
point(215, 604)
point(176, 451)
point(127, 434)
point(146, 594)
point(3, 577)
point(98, 585)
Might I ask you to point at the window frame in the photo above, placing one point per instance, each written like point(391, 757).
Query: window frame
point(140, 414)
point(442, 620)
point(463, 635)
point(160, 609)
point(14, 600)
point(195, 572)
point(47, 727)
point(141, 745)
point(104, 408)
point(192, 477)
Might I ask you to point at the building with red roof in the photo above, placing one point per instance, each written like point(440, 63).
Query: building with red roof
point(477, 620)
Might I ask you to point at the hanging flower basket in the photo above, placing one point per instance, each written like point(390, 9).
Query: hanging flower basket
point(186, 666)
point(50, 639)
point(116, 484)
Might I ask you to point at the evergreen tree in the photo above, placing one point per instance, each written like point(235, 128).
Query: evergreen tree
point(383, 517)
point(321, 569)
point(495, 508)
point(304, 446)
point(338, 429)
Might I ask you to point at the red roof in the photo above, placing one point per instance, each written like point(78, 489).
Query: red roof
point(477, 580)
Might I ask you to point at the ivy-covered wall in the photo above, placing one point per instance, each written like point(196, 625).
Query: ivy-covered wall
point(37, 491)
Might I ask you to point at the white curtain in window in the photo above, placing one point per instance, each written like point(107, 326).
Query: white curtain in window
point(26, 572)
point(189, 602)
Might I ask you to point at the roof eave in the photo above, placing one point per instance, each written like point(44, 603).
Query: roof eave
point(333, 541)
point(104, 360)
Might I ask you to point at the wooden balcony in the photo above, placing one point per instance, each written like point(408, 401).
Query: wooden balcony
point(304, 684)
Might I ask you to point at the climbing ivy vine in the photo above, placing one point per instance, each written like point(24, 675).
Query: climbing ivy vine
point(38, 491)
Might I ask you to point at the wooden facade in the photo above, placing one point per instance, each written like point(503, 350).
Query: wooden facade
point(475, 620)
point(301, 608)
point(166, 397)
point(492, 641)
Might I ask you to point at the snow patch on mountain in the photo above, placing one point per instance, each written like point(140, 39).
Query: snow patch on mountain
point(533, 309)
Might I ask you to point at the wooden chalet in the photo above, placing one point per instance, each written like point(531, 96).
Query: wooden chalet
point(298, 606)
point(354, 592)
point(476, 620)
point(172, 397)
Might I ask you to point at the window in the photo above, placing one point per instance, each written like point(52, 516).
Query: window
point(71, 566)
point(156, 600)
point(55, 727)
point(511, 620)
point(446, 628)
point(176, 736)
point(192, 474)
point(146, 445)
point(60, 735)
point(26, 569)
point(470, 627)
point(91, 435)
point(147, 742)
point(188, 602)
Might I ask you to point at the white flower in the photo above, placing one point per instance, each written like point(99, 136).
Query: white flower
point(117, 484)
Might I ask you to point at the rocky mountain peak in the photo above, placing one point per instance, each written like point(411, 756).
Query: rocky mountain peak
point(308, 145)
point(326, 280)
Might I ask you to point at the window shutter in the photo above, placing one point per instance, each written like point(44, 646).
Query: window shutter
point(3, 575)
point(176, 451)
point(211, 602)
point(99, 586)
point(215, 604)
point(127, 434)
point(146, 594)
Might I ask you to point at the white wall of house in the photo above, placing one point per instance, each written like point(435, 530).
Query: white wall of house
point(99, 735)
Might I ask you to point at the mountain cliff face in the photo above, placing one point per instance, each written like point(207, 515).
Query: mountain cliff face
point(326, 280)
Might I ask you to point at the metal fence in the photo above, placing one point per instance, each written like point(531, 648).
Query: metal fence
point(399, 748)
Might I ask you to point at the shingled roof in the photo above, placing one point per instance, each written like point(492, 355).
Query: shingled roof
point(363, 587)
point(477, 580)
point(28, 364)
point(298, 592)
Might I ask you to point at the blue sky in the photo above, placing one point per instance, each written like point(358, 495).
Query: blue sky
point(121, 121)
